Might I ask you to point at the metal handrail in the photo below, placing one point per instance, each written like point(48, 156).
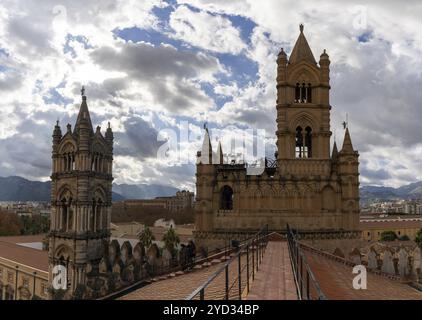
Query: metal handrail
point(303, 275)
point(260, 242)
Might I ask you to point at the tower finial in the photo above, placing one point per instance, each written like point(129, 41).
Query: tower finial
point(83, 91)
point(346, 123)
point(301, 27)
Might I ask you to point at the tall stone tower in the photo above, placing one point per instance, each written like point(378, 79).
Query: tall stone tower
point(308, 185)
point(303, 106)
point(81, 183)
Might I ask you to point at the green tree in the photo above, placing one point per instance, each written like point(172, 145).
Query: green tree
point(388, 236)
point(171, 239)
point(10, 224)
point(404, 237)
point(146, 237)
point(418, 238)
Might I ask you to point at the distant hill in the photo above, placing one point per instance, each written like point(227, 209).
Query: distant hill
point(143, 191)
point(16, 188)
point(20, 189)
point(409, 191)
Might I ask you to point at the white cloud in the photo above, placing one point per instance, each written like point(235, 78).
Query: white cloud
point(377, 82)
point(204, 30)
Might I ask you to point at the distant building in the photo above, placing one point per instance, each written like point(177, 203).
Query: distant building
point(26, 208)
point(373, 228)
point(23, 268)
point(181, 201)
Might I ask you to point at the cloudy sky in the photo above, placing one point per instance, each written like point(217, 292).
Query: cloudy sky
point(159, 68)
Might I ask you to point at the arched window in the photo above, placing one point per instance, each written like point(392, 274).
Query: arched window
point(98, 215)
point(308, 142)
point(92, 217)
point(226, 202)
point(309, 94)
point(299, 142)
point(73, 162)
point(303, 93)
point(70, 215)
point(64, 215)
point(297, 93)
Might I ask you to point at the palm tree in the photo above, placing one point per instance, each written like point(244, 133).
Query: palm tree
point(146, 237)
point(171, 239)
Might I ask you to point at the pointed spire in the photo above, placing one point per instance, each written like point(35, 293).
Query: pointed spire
point(109, 134)
point(220, 156)
point(84, 119)
point(301, 50)
point(347, 142)
point(334, 155)
point(206, 152)
point(57, 133)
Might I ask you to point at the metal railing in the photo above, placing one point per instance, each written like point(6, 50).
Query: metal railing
point(232, 280)
point(307, 286)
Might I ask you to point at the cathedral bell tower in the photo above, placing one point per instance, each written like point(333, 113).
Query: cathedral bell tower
point(81, 183)
point(303, 106)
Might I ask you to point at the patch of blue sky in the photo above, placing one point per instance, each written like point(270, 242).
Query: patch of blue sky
point(54, 97)
point(242, 69)
point(154, 37)
point(163, 13)
point(81, 39)
point(219, 100)
point(3, 52)
point(244, 25)
point(365, 37)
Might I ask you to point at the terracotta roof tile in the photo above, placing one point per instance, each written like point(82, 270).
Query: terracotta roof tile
point(31, 257)
point(335, 279)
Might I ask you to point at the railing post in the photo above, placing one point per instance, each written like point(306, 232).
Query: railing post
point(253, 260)
point(301, 274)
point(247, 266)
point(257, 254)
point(307, 285)
point(202, 294)
point(227, 282)
point(240, 275)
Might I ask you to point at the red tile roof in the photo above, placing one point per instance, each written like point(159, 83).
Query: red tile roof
point(394, 224)
point(335, 279)
point(23, 255)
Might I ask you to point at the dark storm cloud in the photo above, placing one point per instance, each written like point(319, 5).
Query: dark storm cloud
point(167, 72)
point(375, 175)
point(383, 104)
point(28, 152)
point(138, 140)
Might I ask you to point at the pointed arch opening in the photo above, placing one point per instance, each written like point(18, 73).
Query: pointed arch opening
point(303, 142)
point(303, 92)
point(226, 198)
point(308, 142)
point(299, 142)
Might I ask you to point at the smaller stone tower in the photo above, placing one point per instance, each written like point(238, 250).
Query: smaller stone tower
point(81, 183)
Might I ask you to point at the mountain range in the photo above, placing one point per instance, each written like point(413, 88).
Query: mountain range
point(20, 189)
point(409, 191)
